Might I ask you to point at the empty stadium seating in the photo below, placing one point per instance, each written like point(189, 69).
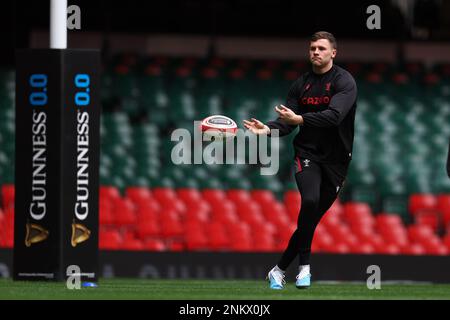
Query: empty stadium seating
point(140, 220)
point(396, 198)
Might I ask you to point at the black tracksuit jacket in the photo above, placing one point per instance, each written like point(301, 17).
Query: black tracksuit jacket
point(327, 103)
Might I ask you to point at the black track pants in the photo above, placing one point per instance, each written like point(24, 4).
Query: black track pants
point(319, 185)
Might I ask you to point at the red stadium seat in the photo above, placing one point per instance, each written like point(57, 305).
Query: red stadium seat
point(430, 242)
point(178, 245)
point(352, 240)
point(262, 197)
point(323, 240)
point(1, 217)
point(315, 248)
point(170, 224)
point(320, 229)
point(195, 236)
point(292, 200)
point(388, 219)
point(124, 212)
point(197, 214)
point(217, 62)
point(263, 242)
point(413, 249)
point(138, 194)
point(362, 248)
point(358, 213)
point(148, 228)
point(391, 228)
point(168, 199)
point(8, 193)
point(251, 214)
point(132, 244)
point(363, 233)
point(223, 209)
point(446, 219)
point(397, 236)
point(217, 236)
point(251, 206)
point(420, 233)
point(272, 209)
point(239, 196)
point(262, 227)
point(435, 246)
point(378, 242)
point(225, 217)
point(339, 232)
point(443, 202)
point(361, 222)
point(339, 247)
point(200, 205)
point(446, 241)
point(214, 196)
point(110, 239)
point(388, 248)
point(190, 196)
point(330, 220)
point(336, 209)
point(422, 202)
point(149, 208)
point(154, 245)
point(240, 237)
point(277, 215)
point(164, 195)
point(106, 216)
point(400, 78)
point(176, 205)
point(292, 196)
point(7, 227)
point(109, 193)
point(443, 206)
point(428, 218)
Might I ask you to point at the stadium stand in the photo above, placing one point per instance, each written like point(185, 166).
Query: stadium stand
point(396, 199)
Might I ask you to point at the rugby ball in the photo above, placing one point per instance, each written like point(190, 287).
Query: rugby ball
point(219, 127)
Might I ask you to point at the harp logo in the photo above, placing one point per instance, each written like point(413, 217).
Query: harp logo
point(79, 234)
point(35, 234)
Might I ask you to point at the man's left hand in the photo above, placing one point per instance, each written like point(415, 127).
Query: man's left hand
point(288, 116)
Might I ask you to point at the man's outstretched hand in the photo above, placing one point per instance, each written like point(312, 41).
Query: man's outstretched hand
point(256, 126)
point(288, 116)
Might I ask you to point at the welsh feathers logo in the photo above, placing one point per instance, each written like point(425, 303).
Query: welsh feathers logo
point(306, 162)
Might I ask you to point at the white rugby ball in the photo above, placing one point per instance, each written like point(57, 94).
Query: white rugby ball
point(219, 127)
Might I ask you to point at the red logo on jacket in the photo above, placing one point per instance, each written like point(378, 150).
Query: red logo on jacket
point(316, 100)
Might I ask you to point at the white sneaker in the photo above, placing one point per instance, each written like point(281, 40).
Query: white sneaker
point(303, 278)
point(276, 279)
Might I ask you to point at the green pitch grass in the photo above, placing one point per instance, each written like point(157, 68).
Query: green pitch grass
point(215, 289)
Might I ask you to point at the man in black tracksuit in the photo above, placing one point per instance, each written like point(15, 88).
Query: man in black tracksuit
point(322, 103)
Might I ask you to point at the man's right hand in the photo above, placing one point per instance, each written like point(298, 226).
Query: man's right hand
point(256, 126)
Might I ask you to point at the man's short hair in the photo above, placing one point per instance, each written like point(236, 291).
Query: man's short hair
point(325, 35)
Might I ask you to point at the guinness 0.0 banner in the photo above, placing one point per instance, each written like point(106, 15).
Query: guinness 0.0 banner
point(57, 159)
